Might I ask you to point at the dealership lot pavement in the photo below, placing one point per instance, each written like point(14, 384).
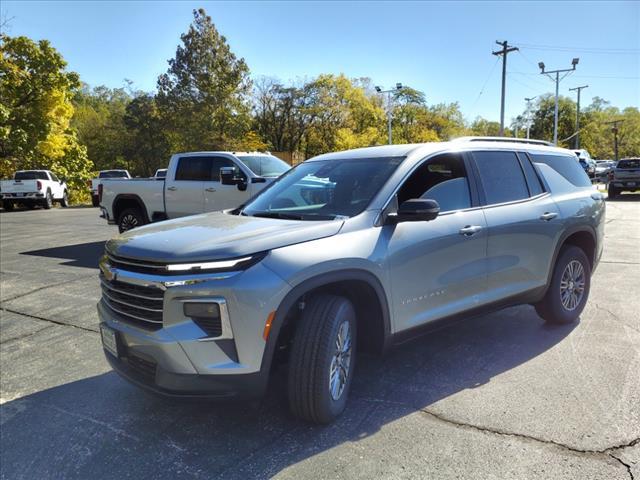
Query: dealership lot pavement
point(499, 396)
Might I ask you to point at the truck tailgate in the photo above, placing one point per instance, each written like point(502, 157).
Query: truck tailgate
point(19, 186)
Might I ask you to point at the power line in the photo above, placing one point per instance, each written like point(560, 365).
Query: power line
point(596, 50)
point(484, 85)
point(581, 76)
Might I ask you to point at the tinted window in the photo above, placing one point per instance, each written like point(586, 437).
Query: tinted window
point(535, 186)
point(31, 175)
point(113, 174)
point(194, 168)
point(565, 166)
point(54, 178)
point(443, 179)
point(501, 176)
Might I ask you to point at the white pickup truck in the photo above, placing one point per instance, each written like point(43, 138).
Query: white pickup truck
point(195, 182)
point(32, 188)
point(104, 174)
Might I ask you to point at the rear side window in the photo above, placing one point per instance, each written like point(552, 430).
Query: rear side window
point(566, 166)
point(193, 168)
point(501, 176)
point(535, 186)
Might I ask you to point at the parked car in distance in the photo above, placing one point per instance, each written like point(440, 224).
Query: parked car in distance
point(587, 163)
point(625, 177)
point(196, 182)
point(103, 175)
point(603, 167)
point(32, 188)
point(161, 173)
point(351, 251)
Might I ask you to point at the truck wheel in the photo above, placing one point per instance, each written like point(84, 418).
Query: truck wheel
point(612, 192)
point(48, 200)
point(322, 359)
point(8, 206)
point(65, 200)
point(130, 218)
point(95, 200)
point(569, 289)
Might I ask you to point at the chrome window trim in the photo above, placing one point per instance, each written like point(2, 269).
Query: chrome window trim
point(227, 331)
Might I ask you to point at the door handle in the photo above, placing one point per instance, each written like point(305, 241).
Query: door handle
point(173, 189)
point(470, 230)
point(210, 189)
point(546, 216)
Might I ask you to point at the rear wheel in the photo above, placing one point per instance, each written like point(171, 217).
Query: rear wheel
point(130, 218)
point(8, 206)
point(65, 200)
point(569, 289)
point(48, 200)
point(322, 359)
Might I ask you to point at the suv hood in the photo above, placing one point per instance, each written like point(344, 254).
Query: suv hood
point(216, 236)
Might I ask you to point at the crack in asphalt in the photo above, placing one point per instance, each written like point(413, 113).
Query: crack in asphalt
point(626, 465)
point(615, 317)
point(26, 335)
point(20, 295)
point(43, 319)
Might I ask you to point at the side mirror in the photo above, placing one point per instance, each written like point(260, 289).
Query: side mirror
point(418, 210)
point(228, 177)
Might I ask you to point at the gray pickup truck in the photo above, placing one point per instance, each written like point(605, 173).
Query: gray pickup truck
point(347, 252)
point(624, 177)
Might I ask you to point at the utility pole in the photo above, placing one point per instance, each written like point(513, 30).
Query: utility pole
point(389, 105)
point(506, 49)
point(529, 100)
point(557, 79)
point(614, 129)
point(577, 141)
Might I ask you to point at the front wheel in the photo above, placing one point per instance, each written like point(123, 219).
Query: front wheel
point(322, 359)
point(130, 218)
point(65, 200)
point(569, 289)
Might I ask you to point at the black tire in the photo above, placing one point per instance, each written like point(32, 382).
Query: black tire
point(130, 218)
point(48, 200)
point(95, 200)
point(313, 353)
point(551, 308)
point(64, 202)
point(612, 192)
point(30, 205)
point(8, 206)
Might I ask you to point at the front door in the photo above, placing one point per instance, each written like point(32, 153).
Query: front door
point(218, 196)
point(183, 192)
point(437, 268)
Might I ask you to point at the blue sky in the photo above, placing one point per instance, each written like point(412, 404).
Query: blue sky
point(441, 48)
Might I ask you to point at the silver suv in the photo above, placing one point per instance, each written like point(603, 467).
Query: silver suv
point(347, 252)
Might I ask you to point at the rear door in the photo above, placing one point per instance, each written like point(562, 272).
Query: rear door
point(184, 188)
point(218, 196)
point(523, 222)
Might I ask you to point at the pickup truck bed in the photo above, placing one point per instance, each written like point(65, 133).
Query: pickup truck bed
point(32, 188)
point(625, 177)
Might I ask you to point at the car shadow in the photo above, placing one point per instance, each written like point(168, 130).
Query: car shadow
point(101, 427)
point(625, 197)
point(80, 255)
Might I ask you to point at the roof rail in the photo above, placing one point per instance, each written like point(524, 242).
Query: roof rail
point(504, 139)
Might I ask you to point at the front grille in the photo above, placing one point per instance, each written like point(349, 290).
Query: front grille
point(139, 305)
point(143, 367)
point(139, 266)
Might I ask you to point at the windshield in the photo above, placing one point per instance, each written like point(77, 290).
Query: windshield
point(113, 174)
point(31, 175)
point(633, 163)
point(265, 165)
point(324, 189)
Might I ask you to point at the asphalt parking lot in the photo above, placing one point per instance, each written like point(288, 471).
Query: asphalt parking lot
point(499, 396)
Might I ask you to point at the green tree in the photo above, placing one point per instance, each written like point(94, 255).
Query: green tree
point(204, 94)
point(35, 113)
point(543, 119)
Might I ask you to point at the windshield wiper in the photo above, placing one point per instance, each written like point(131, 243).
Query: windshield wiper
point(281, 215)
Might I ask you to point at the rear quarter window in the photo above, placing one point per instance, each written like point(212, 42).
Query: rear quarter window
point(565, 165)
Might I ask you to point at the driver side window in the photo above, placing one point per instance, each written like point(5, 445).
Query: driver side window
point(442, 178)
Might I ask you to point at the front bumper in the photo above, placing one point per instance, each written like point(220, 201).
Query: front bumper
point(178, 359)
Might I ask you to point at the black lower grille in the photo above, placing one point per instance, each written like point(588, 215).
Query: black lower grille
point(144, 368)
point(211, 326)
point(139, 305)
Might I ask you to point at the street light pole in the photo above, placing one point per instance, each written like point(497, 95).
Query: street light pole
point(389, 112)
point(528, 100)
point(557, 79)
point(577, 142)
